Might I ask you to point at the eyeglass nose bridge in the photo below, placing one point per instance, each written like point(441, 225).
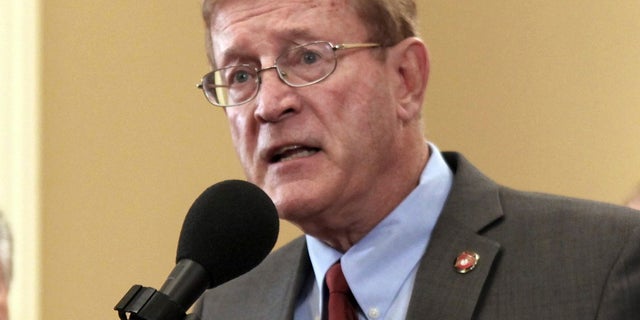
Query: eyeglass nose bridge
point(281, 74)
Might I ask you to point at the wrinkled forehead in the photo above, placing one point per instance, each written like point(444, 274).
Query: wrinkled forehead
point(260, 22)
point(225, 12)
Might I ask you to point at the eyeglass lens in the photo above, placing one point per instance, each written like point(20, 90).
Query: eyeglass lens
point(297, 67)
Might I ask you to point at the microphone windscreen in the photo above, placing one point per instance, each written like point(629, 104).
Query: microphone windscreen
point(230, 228)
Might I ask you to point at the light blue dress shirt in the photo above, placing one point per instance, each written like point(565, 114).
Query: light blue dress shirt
point(381, 268)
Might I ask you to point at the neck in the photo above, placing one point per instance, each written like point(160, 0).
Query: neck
point(342, 231)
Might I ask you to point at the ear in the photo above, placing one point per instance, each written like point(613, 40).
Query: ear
point(410, 62)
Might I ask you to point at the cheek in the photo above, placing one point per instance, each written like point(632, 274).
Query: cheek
point(369, 124)
point(366, 109)
point(242, 135)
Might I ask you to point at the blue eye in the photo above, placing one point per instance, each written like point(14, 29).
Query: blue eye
point(241, 76)
point(310, 57)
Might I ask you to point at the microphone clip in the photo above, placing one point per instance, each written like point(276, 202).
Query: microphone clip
point(146, 303)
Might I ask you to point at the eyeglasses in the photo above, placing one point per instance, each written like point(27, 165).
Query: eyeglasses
point(299, 66)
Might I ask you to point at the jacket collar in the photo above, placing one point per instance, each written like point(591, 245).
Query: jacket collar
point(440, 292)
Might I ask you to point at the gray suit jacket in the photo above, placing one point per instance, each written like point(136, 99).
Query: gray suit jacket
point(541, 257)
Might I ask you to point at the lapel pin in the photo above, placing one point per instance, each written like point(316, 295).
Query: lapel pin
point(466, 262)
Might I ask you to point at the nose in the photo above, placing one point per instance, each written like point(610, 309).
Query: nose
point(276, 100)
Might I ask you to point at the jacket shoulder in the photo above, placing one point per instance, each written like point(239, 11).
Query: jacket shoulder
point(250, 296)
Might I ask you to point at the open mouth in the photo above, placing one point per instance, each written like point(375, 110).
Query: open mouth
point(293, 152)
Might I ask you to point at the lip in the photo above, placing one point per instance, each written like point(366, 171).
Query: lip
point(289, 152)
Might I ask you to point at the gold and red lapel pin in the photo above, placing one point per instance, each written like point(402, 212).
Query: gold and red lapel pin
point(466, 262)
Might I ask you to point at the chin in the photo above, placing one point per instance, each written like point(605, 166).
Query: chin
point(296, 203)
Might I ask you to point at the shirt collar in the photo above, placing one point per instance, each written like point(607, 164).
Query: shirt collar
point(375, 261)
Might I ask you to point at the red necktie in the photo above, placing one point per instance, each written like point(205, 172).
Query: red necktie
point(339, 306)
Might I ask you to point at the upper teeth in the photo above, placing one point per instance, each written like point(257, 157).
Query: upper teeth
point(294, 152)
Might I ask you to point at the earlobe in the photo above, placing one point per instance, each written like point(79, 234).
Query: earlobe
point(412, 70)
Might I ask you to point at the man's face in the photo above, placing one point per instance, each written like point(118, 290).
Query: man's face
point(315, 150)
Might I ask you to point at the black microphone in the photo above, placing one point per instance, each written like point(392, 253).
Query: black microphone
point(230, 228)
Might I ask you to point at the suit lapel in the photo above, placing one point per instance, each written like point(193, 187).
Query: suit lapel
point(268, 292)
point(440, 292)
point(286, 281)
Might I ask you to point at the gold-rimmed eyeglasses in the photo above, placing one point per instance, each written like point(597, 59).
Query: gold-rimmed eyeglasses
point(299, 66)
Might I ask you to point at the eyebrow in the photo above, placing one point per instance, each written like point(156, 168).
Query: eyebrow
point(233, 56)
point(293, 36)
point(299, 33)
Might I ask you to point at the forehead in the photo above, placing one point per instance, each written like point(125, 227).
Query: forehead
point(254, 23)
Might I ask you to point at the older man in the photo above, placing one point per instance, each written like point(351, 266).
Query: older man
point(324, 98)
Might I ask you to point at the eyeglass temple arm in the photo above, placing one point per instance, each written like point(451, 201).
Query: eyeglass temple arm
point(201, 85)
point(355, 45)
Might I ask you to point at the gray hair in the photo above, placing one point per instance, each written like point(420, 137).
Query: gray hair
point(388, 21)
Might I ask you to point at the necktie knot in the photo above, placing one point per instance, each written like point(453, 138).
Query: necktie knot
point(340, 306)
point(336, 282)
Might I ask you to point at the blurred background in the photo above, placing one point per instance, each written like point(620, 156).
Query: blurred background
point(105, 142)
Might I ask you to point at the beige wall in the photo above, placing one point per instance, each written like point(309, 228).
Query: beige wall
point(540, 95)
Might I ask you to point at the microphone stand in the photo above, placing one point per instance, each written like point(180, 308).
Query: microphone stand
point(146, 303)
